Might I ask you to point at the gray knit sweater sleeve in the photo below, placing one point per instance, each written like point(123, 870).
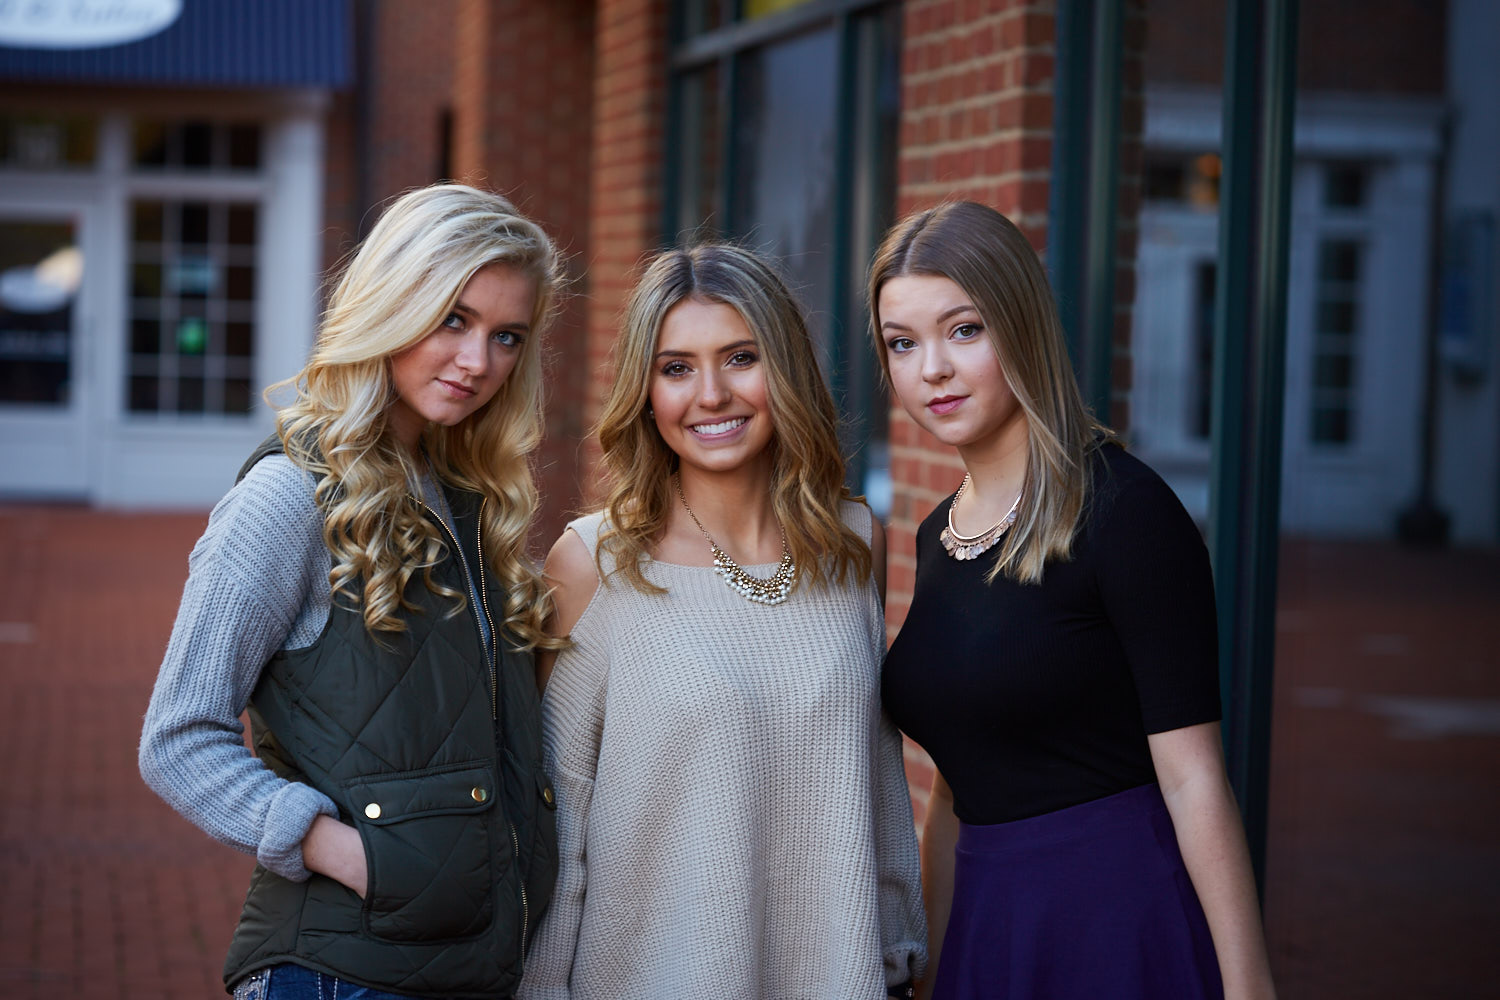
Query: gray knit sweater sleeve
point(257, 582)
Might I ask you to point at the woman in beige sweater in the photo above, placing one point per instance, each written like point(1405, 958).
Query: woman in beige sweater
point(732, 809)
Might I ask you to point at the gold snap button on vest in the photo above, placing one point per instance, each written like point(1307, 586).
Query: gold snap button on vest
point(479, 794)
point(373, 810)
point(547, 795)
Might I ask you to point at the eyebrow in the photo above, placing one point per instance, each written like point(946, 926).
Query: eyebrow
point(723, 350)
point(945, 315)
point(468, 310)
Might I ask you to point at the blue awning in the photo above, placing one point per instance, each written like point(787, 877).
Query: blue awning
point(213, 43)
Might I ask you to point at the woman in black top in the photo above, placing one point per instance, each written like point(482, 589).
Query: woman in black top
point(1058, 661)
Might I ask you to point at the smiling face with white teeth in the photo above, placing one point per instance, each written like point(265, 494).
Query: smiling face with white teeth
point(708, 389)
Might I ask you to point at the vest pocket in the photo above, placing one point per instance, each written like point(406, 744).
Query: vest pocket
point(428, 850)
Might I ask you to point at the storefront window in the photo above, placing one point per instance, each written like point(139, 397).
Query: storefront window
point(195, 146)
point(192, 306)
point(41, 142)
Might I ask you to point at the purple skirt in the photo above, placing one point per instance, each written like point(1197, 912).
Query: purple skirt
point(1086, 902)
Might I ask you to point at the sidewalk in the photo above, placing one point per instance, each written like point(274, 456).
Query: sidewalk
point(1384, 862)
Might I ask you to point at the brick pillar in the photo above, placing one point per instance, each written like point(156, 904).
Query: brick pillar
point(523, 86)
point(630, 75)
point(976, 123)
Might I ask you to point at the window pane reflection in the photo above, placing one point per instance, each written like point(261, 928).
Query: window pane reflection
point(784, 154)
point(41, 270)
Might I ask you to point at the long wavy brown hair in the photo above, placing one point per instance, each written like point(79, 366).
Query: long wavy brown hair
point(983, 253)
point(395, 290)
point(807, 478)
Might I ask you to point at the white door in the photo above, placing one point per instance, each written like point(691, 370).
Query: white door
point(45, 355)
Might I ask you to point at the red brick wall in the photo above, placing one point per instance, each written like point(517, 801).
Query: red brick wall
point(410, 77)
point(976, 123)
point(522, 96)
point(630, 73)
point(1384, 46)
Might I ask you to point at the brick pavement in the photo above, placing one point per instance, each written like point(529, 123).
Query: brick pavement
point(1386, 753)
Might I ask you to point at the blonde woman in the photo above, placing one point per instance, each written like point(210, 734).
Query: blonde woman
point(732, 809)
point(364, 592)
point(1058, 659)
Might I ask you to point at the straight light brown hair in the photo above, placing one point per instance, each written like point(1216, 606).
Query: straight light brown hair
point(985, 255)
point(807, 477)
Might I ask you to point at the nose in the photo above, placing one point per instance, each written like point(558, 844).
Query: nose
point(713, 392)
point(474, 353)
point(936, 366)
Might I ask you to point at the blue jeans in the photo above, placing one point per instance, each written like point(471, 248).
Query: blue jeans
point(293, 982)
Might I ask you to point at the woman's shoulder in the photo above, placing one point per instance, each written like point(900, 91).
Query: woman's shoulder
point(1127, 491)
point(589, 528)
point(268, 522)
point(275, 496)
point(857, 517)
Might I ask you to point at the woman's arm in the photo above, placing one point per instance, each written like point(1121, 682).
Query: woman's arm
point(1190, 768)
point(573, 684)
point(334, 849)
point(250, 582)
point(939, 838)
point(570, 572)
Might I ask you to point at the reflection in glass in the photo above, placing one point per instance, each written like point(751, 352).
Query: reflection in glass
point(785, 143)
point(41, 271)
point(763, 8)
point(699, 184)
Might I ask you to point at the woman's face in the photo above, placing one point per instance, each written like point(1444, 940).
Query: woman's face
point(708, 388)
point(457, 368)
point(943, 365)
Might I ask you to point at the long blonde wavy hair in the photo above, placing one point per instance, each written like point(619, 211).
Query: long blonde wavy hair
point(394, 291)
point(983, 253)
point(807, 478)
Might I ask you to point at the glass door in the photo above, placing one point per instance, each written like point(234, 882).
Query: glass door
point(43, 392)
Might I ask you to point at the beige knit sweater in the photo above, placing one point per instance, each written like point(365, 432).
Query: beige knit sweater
point(732, 808)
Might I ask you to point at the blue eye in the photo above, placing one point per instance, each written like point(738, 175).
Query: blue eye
point(453, 321)
point(507, 338)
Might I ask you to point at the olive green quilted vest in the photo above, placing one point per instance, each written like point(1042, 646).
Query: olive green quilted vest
point(436, 760)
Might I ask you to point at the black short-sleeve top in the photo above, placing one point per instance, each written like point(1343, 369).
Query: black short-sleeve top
point(1036, 697)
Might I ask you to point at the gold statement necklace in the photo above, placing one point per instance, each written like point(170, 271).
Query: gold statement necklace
point(772, 590)
point(965, 547)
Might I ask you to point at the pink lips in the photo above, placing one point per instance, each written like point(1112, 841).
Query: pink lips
point(457, 390)
point(945, 404)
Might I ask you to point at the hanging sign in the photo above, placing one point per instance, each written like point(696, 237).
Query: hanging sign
point(82, 24)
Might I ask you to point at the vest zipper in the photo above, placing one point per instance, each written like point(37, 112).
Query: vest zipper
point(484, 599)
point(478, 585)
point(515, 843)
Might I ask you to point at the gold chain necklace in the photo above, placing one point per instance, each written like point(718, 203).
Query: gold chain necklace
point(772, 590)
point(964, 547)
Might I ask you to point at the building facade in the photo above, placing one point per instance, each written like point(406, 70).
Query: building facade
point(1394, 208)
point(166, 223)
